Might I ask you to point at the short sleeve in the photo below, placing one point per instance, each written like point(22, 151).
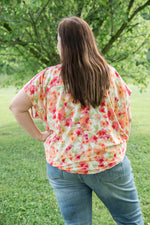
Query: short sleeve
point(127, 89)
point(34, 89)
point(121, 103)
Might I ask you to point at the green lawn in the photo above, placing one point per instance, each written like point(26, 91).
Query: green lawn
point(26, 196)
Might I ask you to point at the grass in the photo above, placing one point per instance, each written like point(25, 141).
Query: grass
point(26, 196)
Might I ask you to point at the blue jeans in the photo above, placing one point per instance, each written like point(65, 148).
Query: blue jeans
point(114, 187)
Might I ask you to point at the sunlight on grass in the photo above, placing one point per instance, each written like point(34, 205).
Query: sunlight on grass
point(140, 106)
point(6, 117)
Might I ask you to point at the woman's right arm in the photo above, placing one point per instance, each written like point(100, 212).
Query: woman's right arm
point(20, 106)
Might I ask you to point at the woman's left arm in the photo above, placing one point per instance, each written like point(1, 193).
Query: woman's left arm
point(20, 106)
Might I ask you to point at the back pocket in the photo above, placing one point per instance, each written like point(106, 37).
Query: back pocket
point(113, 174)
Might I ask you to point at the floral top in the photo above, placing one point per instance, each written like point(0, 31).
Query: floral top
point(86, 140)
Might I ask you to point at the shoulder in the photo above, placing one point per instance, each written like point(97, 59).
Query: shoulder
point(117, 81)
point(48, 74)
point(44, 76)
point(49, 71)
point(53, 69)
point(113, 72)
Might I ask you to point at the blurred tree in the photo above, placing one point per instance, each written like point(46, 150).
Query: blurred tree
point(28, 34)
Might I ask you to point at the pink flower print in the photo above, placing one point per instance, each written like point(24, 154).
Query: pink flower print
point(103, 123)
point(69, 122)
point(45, 118)
point(100, 160)
point(72, 137)
point(84, 120)
point(87, 120)
point(93, 138)
point(117, 75)
point(63, 160)
point(33, 89)
point(47, 90)
point(41, 78)
point(79, 131)
point(55, 72)
point(111, 164)
point(60, 116)
point(86, 137)
point(68, 148)
point(85, 109)
point(110, 114)
point(103, 104)
point(116, 99)
point(54, 116)
point(54, 81)
point(128, 90)
point(123, 123)
point(53, 110)
point(101, 133)
point(102, 109)
point(83, 166)
point(115, 125)
point(58, 138)
point(36, 114)
point(121, 91)
point(79, 156)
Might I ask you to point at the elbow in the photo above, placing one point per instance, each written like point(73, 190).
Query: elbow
point(12, 107)
point(130, 119)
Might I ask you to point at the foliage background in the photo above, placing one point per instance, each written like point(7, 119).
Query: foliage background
point(28, 31)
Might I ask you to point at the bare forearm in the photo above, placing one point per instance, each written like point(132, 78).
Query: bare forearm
point(19, 107)
point(26, 122)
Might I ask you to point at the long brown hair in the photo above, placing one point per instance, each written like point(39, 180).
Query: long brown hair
point(84, 71)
